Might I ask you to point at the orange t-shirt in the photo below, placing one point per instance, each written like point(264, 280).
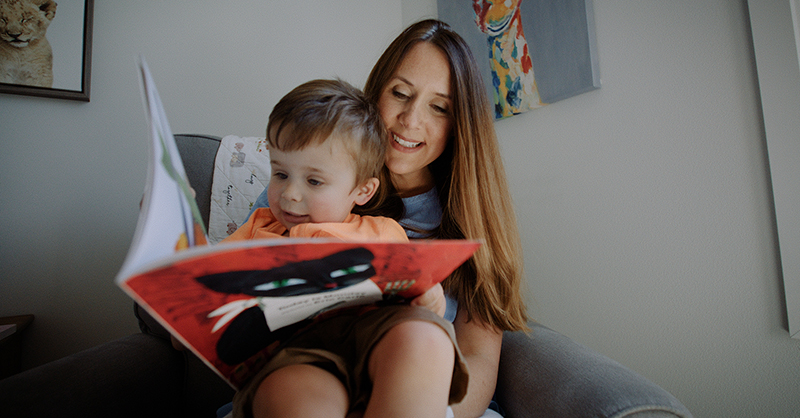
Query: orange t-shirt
point(262, 224)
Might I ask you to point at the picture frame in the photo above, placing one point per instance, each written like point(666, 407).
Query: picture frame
point(70, 37)
point(554, 42)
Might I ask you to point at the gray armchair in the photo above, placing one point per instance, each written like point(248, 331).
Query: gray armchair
point(542, 374)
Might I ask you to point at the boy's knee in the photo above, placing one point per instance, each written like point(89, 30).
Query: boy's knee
point(299, 386)
point(411, 352)
point(418, 338)
point(422, 332)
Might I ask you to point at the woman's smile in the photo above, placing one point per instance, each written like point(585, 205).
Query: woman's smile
point(404, 144)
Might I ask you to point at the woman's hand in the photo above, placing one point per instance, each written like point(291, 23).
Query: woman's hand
point(433, 299)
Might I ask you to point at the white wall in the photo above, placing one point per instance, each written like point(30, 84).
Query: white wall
point(645, 206)
point(72, 173)
point(646, 211)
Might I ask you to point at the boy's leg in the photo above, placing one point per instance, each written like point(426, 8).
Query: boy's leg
point(300, 390)
point(411, 368)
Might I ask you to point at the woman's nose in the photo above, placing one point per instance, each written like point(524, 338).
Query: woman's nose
point(410, 117)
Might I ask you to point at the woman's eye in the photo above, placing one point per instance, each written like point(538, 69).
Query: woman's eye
point(441, 110)
point(399, 95)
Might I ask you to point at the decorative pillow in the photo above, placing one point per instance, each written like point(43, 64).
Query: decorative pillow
point(241, 173)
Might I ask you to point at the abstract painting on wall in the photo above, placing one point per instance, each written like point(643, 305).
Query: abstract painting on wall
point(532, 52)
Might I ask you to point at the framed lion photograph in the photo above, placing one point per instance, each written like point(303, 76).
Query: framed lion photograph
point(46, 48)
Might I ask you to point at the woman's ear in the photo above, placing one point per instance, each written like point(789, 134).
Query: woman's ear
point(366, 190)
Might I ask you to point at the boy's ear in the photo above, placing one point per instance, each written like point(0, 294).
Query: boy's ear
point(366, 190)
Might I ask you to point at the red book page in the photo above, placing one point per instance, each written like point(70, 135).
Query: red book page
point(183, 294)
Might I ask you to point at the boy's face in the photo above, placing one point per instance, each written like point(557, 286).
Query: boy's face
point(315, 184)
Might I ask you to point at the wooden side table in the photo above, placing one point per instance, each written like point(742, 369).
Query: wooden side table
point(11, 343)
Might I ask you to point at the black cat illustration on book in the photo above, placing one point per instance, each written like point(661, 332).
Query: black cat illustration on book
point(248, 332)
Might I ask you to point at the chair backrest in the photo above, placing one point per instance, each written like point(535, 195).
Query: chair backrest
point(198, 153)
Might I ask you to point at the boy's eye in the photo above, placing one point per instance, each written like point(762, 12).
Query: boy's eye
point(314, 182)
point(280, 175)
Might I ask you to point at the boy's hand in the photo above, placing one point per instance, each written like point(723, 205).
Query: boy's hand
point(433, 299)
point(176, 344)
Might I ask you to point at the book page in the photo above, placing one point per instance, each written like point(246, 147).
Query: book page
point(169, 217)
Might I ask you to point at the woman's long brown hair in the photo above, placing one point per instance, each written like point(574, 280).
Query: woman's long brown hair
point(471, 182)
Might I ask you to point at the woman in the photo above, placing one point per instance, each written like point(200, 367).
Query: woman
point(443, 139)
point(446, 180)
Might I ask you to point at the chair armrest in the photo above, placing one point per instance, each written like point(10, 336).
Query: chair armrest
point(139, 375)
point(545, 374)
point(135, 376)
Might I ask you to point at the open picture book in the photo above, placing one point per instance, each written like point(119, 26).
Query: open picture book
point(233, 304)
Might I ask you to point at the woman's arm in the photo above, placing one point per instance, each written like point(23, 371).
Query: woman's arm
point(480, 344)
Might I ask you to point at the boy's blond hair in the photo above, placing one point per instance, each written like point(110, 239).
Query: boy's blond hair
point(314, 111)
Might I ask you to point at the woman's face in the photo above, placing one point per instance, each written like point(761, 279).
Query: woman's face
point(417, 108)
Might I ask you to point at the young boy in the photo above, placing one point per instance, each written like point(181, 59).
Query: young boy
point(327, 146)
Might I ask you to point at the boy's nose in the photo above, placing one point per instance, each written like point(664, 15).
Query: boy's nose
point(292, 193)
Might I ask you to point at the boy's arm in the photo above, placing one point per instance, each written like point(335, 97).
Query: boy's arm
point(355, 228)
point(261, 224)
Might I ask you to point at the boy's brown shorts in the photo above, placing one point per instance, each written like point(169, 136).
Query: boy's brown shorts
point(342, 344)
